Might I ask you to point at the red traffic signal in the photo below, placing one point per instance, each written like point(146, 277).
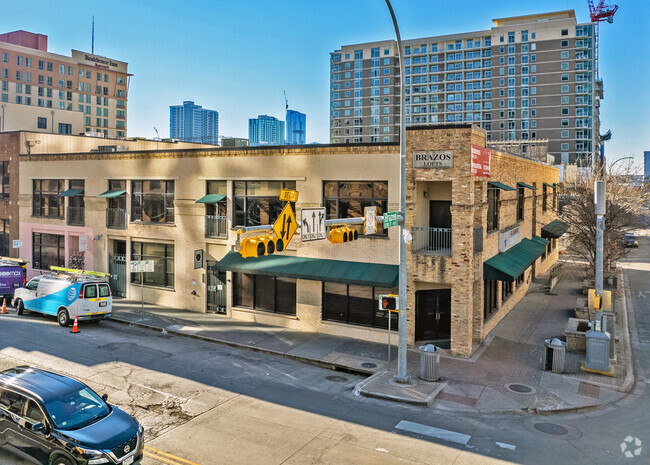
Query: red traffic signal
point(389, 302)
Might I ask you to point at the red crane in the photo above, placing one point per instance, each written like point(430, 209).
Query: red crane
point(598, 14)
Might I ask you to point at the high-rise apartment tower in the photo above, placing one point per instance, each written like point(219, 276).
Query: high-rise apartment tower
point(192, 123)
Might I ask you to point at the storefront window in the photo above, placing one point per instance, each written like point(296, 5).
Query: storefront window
point(47, 250)
point(163, 257)
point(267, 293)
point(258, 203)
point(489, 297)
point(152, 201)
point(348, 199)
point(4, 238)
point(357, 305)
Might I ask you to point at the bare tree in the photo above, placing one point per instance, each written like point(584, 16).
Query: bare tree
point(625, 195)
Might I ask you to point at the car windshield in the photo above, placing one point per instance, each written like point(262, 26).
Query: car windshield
point(76, 409)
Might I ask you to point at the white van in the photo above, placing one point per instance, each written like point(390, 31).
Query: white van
point(67, 293)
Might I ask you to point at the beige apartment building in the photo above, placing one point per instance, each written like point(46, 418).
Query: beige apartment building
point(47, 92)
point(479, 218)
point(527, 78)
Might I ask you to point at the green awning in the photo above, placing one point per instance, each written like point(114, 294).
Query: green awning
point(527, 186)
point(501, 186)
point(552, 186)
point(508, 265)
point(211, 198)
point(109, 194)
point(71, 192)
point(314, 269)
point(555, 229)
point(540, 240)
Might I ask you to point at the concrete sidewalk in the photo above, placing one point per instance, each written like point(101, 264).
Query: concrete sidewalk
point(503, 375)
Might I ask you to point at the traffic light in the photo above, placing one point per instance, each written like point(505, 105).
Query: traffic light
point(255, 246)
point(343, 234)
point(389, 302)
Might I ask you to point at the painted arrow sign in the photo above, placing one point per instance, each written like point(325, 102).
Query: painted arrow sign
point(313, 224)
point(285, 226)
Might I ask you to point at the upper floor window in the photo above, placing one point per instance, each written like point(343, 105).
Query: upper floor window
point(544, 197)
point(257, 202)
point(4, 176)
point(348, 199)
point(520, 203)
point(493, 208)
point(46, 200)
point(152, 201)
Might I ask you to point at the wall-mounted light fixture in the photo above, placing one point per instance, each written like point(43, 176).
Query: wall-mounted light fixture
point(98, 237)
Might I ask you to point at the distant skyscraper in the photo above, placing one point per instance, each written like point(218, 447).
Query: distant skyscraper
point(193, 123)
point(296, 128)
point(265, 130)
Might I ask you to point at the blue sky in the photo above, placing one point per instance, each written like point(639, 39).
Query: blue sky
point(237, 57)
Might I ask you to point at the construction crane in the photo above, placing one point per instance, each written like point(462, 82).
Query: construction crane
point(598, 14)
point(157, 133)
point(286, 102)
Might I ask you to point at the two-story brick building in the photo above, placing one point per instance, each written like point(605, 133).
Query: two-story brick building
point(476, 227)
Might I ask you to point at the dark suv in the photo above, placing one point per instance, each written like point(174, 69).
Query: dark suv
point(51, 419)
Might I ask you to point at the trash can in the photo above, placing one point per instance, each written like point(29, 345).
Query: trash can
point(429, 362)
point(553, 358)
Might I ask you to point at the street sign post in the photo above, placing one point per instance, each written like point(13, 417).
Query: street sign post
point(370, 223)
point(312, 225)
point(17, 244)
point(142, 266)
point(390, 219)
point(285, 226)
point(390, 303)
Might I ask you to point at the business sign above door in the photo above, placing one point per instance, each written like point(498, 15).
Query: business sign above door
point(437, 159)
point(480, 159)
point(509, 238)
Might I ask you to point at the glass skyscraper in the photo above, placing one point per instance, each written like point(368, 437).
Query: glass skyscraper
point(265, 130)
point(192, 123)
point(296, 128)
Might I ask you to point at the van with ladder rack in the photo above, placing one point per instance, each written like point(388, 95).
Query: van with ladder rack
point(67, 293)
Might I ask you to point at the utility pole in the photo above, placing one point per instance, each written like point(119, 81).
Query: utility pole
point(401, 376)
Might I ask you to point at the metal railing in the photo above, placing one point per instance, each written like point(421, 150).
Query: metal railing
point(76, 216)
point(116, 218)
point(432, 241)
point(216, 226)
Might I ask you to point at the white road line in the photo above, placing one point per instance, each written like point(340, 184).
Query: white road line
point(503, 445)
point(433, 432)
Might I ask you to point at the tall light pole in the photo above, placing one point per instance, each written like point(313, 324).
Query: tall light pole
point(616, 161)
point(401, 375)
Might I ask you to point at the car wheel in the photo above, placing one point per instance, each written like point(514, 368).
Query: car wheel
point(61, 461)
point(63, 318)
point(20, 307)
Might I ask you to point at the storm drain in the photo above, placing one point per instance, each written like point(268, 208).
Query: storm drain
point(336, 379)
point(369, 365)
point(520, 388)
point(551, 428)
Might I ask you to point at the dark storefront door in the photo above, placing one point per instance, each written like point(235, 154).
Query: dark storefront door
point(216, 290)
point(439, 214)
point(433, 316)
point(117, 269)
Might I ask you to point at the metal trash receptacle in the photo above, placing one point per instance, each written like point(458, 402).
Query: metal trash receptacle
point(429, 362)
point(553, 358)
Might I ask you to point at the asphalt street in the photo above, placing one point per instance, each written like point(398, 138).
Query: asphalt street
point(210, 404)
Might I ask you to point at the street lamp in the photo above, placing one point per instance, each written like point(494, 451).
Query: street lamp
point(616, 161)
point(401, 376)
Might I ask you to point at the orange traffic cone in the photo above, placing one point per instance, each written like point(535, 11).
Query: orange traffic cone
point(75, 326)
point(4, 305)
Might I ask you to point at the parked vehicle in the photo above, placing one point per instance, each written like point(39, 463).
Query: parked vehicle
point(48, 418)
point(12, 276)
point(67, 293)
point(629, 240)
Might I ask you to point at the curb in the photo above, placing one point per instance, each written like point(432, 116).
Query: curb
point(298, 358)
point(628, 383)
point(358, 389)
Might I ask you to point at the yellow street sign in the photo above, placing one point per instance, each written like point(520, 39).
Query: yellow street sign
point(287, 195)
point(285, 226)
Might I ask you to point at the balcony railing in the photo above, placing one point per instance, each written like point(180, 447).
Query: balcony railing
point(76, 216)
point(432, 241)
point(116, 218)
point(216, 226)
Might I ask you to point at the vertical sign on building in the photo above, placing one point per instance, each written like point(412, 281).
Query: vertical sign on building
point(480, 161)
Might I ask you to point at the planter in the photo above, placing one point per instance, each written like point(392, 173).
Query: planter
point(575, 335)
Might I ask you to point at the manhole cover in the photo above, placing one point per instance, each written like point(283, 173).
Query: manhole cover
point(336, 379)
point(520, 388)
point(551, 428)
point(369, 365)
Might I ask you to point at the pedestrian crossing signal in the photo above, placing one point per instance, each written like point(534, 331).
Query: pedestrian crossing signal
point(388, 302)
point(343, 234)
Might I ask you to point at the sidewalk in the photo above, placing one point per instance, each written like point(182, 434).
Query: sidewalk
point(503, 375)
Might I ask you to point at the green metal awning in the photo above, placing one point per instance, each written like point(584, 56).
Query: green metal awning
point(211, 198)
point(109, 194)
point(501, 186)
point(555, 229)
point(71, 192)
point(527, 186)
point(552, 186)
point(508, 265)
point(314, 269)
point(540, 240)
